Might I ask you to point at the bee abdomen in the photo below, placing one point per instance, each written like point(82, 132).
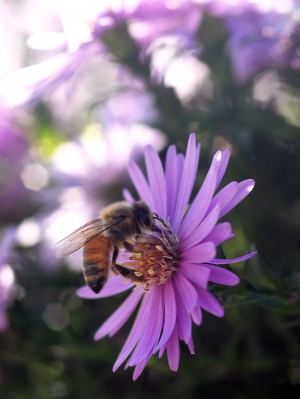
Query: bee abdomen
point(95, 262)
point(95, 277)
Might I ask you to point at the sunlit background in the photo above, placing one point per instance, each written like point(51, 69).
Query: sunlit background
point(84, 87)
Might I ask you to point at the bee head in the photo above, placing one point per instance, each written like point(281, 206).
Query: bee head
point(143, 216)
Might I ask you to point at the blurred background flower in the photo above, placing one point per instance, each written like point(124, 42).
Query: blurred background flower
point(7, 276)
point(84, 87)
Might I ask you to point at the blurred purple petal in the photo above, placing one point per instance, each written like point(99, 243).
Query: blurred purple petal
point(119, 317)
point(112, 287)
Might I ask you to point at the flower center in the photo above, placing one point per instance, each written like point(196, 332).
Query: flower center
point(154, 259)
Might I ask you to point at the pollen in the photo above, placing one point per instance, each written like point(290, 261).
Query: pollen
point(154, 258)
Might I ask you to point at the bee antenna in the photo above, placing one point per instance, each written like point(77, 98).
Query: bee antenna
point(155, 216)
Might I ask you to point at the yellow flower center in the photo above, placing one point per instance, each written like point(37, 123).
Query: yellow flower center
point(154, 259)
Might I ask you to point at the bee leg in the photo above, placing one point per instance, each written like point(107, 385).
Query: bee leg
point(118, 237)
point(157, 229)
point(128, 273)
point(118, 269)
point(114, 258)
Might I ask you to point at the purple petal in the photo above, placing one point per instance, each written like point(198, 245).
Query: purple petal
point(169, 313)
point(162, 349)
point(220, 233)
point(180, 165)
point(244, 188)
point(156, 182)
point(152, 329)
point(136, 331)
point(139, 368)
point(8, 238)
point(209, 303)
point(202, 230)
point(191, 346)
point(201, 203)
point(140, 183)
point(206, 250)
point(127, 196)
point(197, 316)
point(187, 292)
point(216, 261)
point(112, 287)
point(223, 166)
point(120, 316)
point(184, 322)
point(187, 182)
point(222, 276)
point(224, 196)
point(171, 179)
point(173, 350)
point(195, 273)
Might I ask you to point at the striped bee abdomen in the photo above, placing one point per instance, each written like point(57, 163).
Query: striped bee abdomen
point(96, 262)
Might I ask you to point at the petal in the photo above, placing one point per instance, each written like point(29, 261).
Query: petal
point(220, 233)
point(224, 196)
point(244, 188)
point(195, 273)
point(203, 229)
point(140, 183)
point(152, 330)
point(162, 349)
point(223, 166)
point(216, 261)
point(201, 203)
point(120, 316)
point(184, 322)
point(191, 346)
point(127, 196)
point(206, 250)
point(180, 165)
point(171, 178)
point(197, 316)
point(135, 332)
point(209, 303)
point(186, 291)
point(169, 313)
point(112, 287)
point(187, 182)
point(139, 368)
point(156, 182)
point(173, 350)
point(222, 276)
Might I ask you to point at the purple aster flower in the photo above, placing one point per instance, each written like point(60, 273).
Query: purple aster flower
point(149, 20)
point(223, 7)
point(254, 41)
point(146, 20)
point(26, 86)
point(175, 265)
point(17, 201)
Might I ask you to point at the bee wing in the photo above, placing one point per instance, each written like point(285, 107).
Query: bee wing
point(81, 236)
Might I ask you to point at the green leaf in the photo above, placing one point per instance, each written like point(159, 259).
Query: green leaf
point(261, 277)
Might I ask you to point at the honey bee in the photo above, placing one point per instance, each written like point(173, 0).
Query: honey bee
point(114, 228)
